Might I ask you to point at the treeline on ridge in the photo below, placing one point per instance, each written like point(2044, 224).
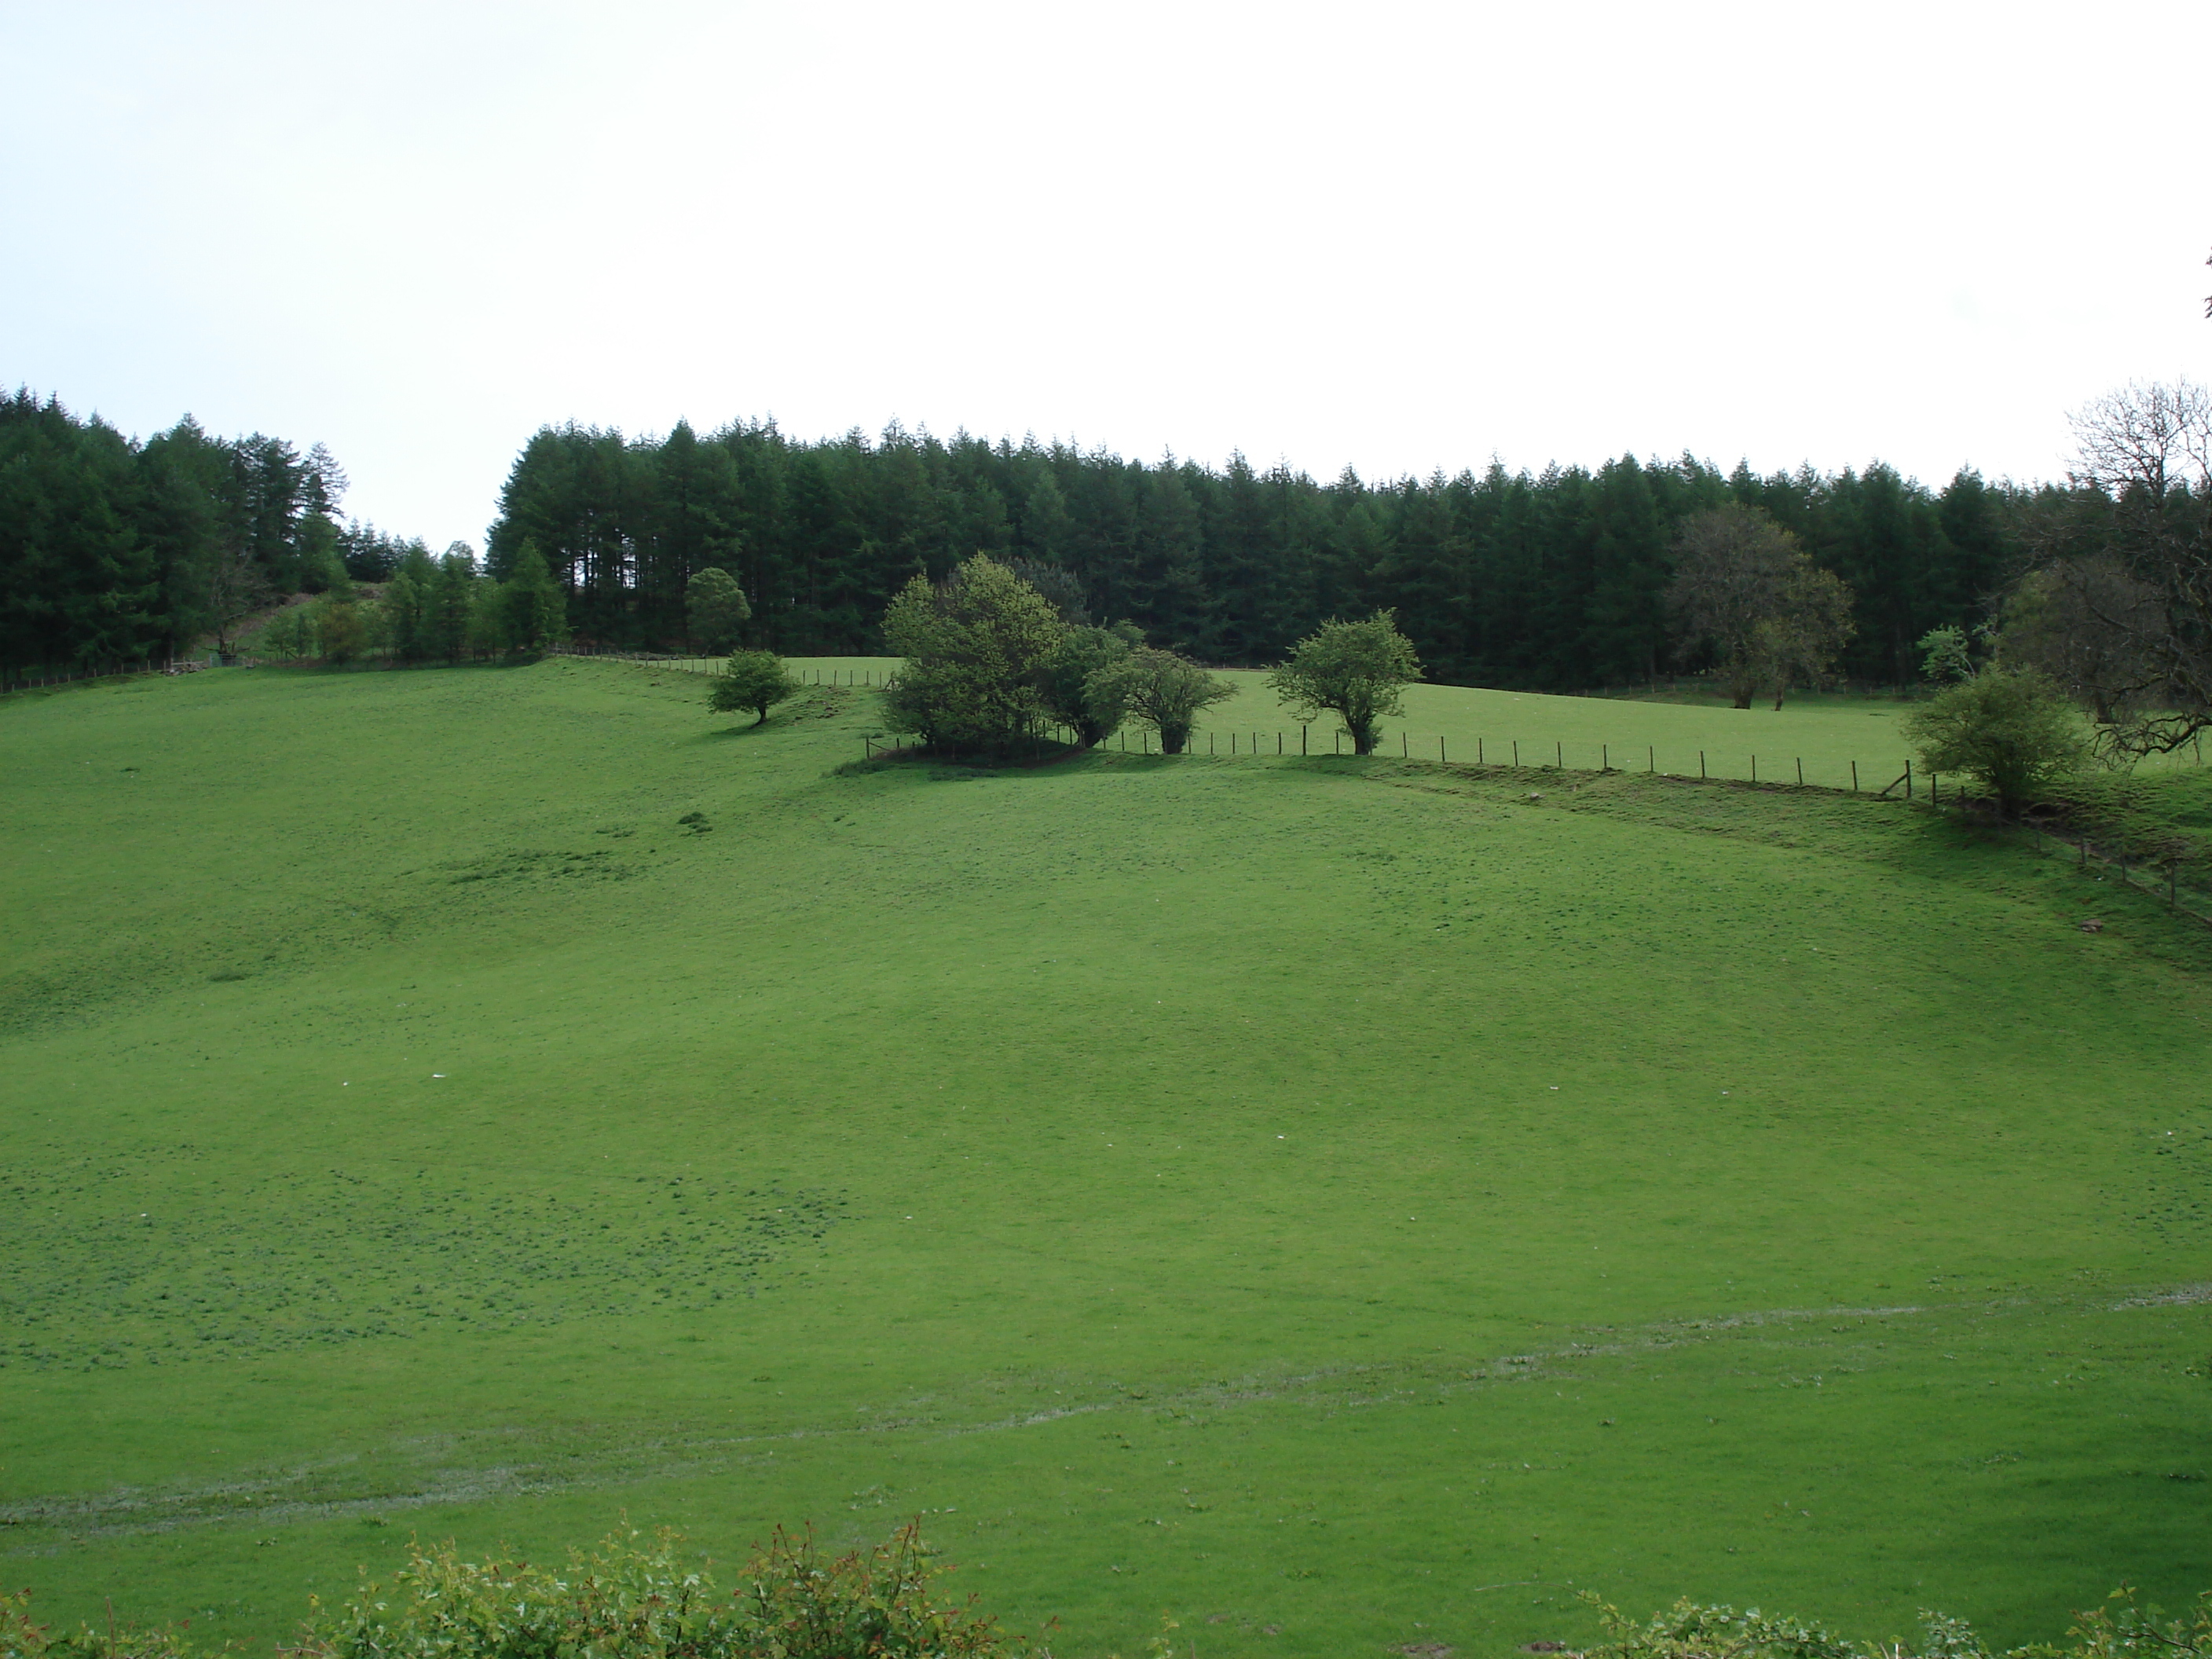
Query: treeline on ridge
point(1551, 581)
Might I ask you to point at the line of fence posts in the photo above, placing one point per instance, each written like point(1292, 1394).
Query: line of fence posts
point(1239, 747)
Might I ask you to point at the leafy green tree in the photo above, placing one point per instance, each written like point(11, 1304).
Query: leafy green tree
point(973, 645)
point(341, 627)
point(487, 631)
point(750, 679)
point(448, 605)
point(2013, 729)
point(536, 608)
point(281, 636)
point(1945, 657)
point(405, 606)
point(1353, 669)
point(1077, 688)
point(1164, 691)
point(716, 607)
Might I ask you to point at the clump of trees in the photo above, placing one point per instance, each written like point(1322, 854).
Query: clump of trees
point(1356, 670)
point(1081, 681)
point(1746, 591)
point(442, 610)
point(996, 654)
point(975, 646)
point(113, 550)
point(2116, 603)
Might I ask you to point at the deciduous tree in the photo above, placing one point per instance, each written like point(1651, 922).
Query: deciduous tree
point(751, 679)
point(2013, 729)
point(716, 607)
point(1078, 687)
point(536, 608)
point(1745, 591)
point(1164, 691)
point(1356, 671)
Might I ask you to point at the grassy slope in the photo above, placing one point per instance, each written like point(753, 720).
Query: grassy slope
point(1351, 1201)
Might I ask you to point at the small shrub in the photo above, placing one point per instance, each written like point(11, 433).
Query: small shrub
point(2121, 1629)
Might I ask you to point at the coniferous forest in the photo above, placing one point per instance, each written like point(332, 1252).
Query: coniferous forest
point(113, 550)
point(1551, 581)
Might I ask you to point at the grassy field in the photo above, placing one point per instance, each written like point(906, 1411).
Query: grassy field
point(1346, 1204)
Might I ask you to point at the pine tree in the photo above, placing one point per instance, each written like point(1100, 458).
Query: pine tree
point(536, 608)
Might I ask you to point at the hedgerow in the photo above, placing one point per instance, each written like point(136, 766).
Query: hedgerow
point(630, 1598)
point(633, 1598)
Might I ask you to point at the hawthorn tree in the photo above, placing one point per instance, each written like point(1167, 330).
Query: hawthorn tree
point(1353, 669)
point(2011, 729)
point(1080, 686)
point(1164, 691)
point(750, 679)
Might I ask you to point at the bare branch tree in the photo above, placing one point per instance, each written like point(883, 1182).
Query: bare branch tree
point(1744, 587)
point(2127, 625)
point(231, 589)
point(2148, 435)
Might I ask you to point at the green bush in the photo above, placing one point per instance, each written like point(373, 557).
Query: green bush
point(632, 1597)
point(2011, 729)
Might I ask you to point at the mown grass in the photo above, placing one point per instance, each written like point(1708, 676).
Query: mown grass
point(1348, 1204)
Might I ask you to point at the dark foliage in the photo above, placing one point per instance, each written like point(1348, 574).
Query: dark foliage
point(1552, 582)
point(113, 551)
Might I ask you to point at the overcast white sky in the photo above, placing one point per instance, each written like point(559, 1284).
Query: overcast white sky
point(1397, 235)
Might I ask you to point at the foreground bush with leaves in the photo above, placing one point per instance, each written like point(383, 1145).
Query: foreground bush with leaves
point(629, 1599)
point(2121, 1629)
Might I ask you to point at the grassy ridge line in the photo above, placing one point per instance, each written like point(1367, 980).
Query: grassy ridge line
point(1540, 1077)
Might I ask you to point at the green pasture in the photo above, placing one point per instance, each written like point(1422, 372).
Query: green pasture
point(1346, 1205)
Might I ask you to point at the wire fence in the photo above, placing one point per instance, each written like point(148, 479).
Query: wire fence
point(1509, 754)
point(33, 679)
